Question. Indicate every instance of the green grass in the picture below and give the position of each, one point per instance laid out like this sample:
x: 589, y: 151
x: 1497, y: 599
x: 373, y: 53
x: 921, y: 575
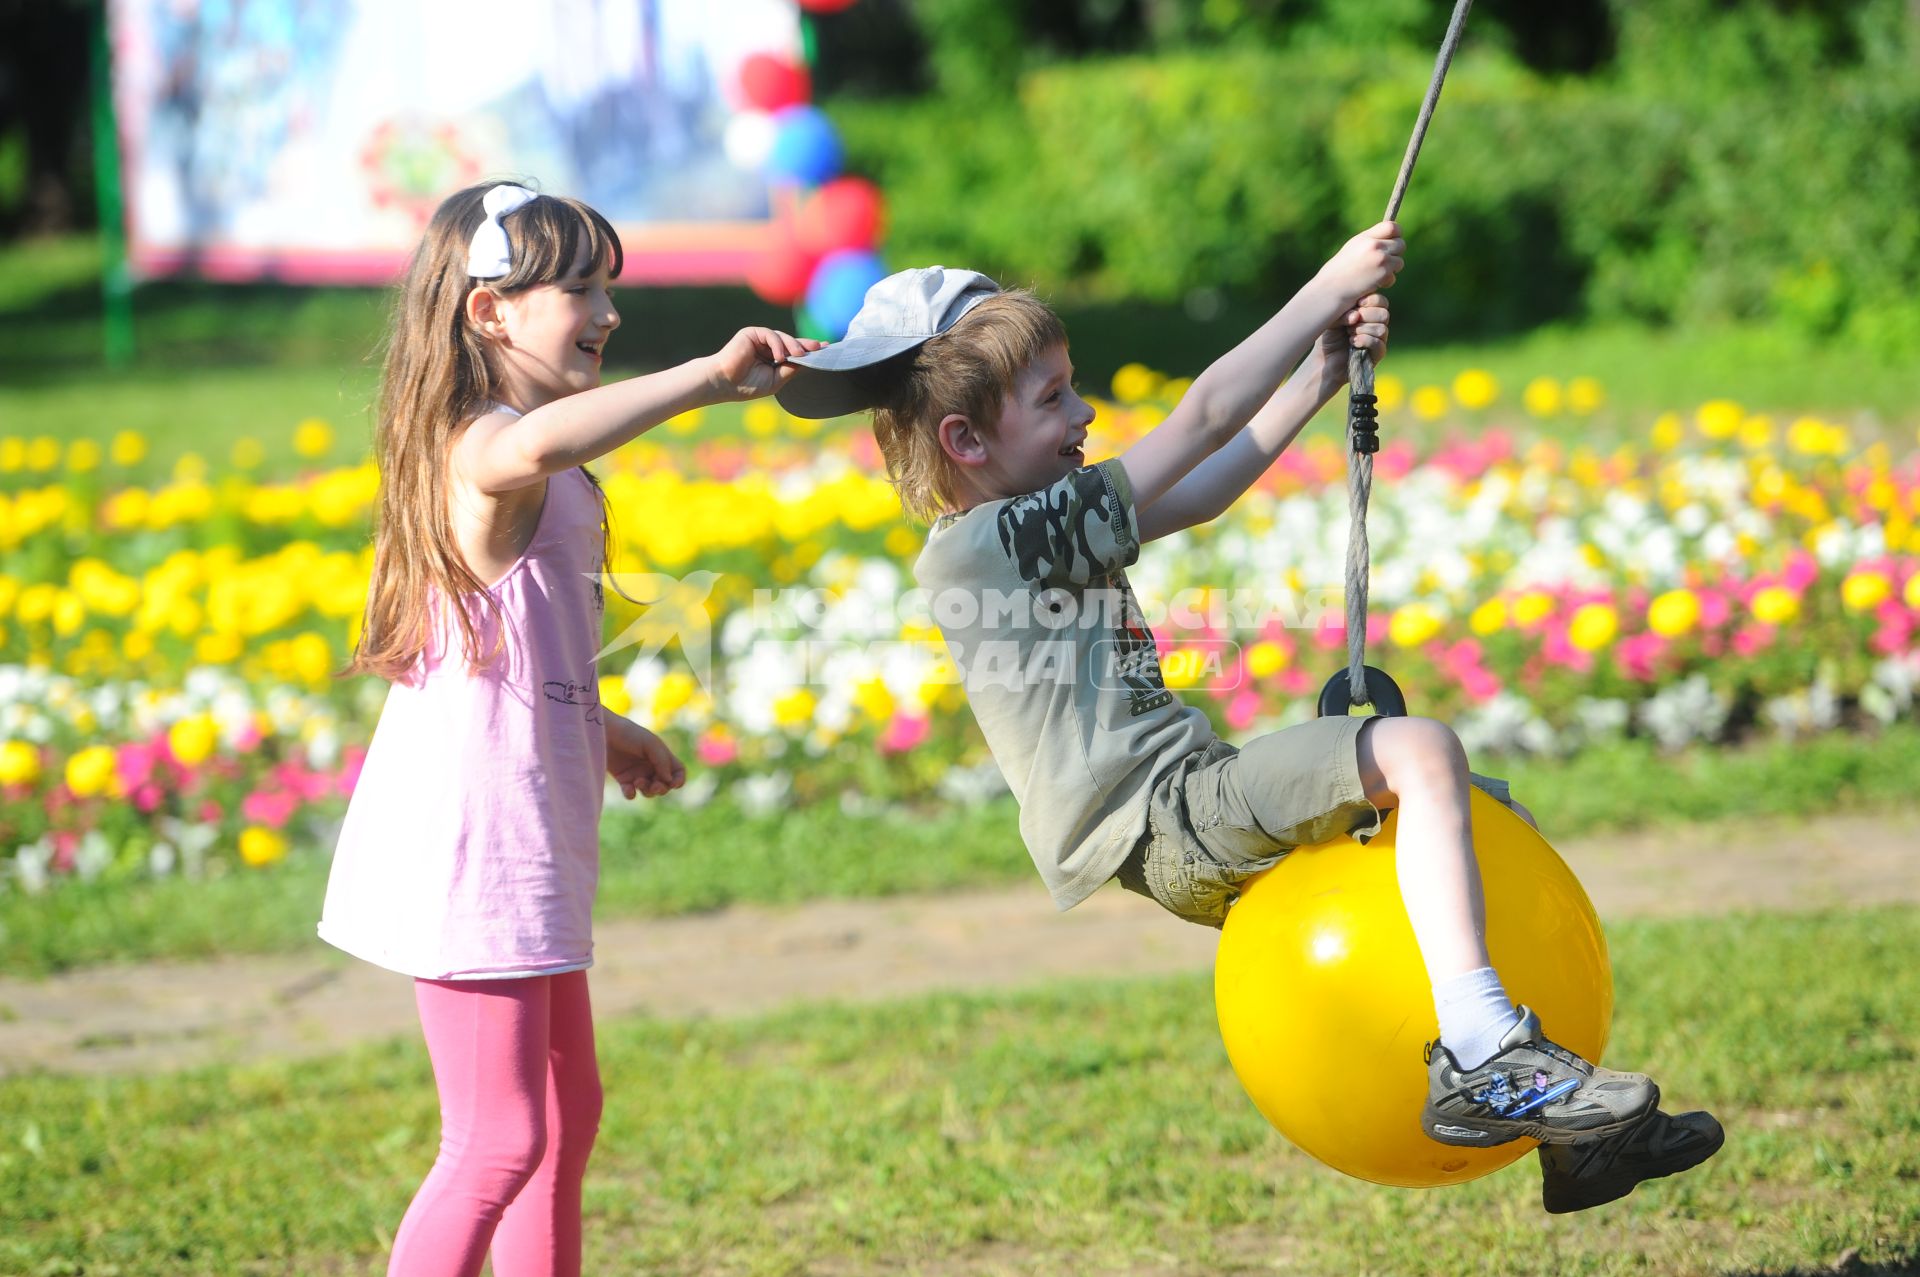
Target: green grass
x: 665, y: 860
x: 218, y: 362
x: 1085, y: 1127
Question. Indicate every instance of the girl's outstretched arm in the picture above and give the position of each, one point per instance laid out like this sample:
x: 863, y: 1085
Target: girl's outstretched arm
x: 1217, y: 482
x: 500, y: 452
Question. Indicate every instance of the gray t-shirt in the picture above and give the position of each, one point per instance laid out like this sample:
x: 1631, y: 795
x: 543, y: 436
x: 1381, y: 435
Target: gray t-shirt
x: 1060, y: 668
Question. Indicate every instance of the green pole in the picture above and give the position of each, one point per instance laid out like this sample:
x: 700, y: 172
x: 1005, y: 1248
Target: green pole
x: 809, y: 53
x: 116, y: 276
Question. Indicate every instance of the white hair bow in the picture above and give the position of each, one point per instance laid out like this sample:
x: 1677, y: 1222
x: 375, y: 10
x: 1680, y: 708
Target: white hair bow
x: 488, y: 256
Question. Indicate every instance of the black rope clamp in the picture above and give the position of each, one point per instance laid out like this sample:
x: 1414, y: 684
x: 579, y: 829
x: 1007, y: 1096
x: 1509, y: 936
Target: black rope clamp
x: 1337, y: 698
x: 1363, y: 423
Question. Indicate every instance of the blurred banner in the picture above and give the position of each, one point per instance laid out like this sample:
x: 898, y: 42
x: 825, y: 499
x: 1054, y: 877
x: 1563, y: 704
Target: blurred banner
x: 309, y: 140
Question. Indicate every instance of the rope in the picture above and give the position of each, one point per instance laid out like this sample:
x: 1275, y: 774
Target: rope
x: 1363, y: 439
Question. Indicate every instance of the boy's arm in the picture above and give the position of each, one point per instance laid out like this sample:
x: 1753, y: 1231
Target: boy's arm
x: 1227, y: 395
x: 1217, y: 482
x: 499, y: 452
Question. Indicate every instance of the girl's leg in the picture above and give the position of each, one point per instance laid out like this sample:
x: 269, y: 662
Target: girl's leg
x: 488, y: 1043
x: 540, y: 1235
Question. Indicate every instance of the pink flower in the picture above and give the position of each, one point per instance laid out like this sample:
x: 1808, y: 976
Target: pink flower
x: 135, y: 762
x: 351, y: 762
x: 716, y: 749
x: 210, y: 812
x: 1558, y: 649
x: 1802, y: 570
x: 249, y: 738
x: 1242, y: 710
x: 1639, y: 656
x: 1714, y: 608
x: 903, y: 733
x: 272, y: 808
x: 1751, y: 639
x: 148, y: 797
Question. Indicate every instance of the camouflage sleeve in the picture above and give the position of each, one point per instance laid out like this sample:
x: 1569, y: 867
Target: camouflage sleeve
x: 1079, y: 529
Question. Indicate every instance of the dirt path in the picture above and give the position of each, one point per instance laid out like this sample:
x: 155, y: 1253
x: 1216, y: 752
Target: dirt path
x: 745, y: 960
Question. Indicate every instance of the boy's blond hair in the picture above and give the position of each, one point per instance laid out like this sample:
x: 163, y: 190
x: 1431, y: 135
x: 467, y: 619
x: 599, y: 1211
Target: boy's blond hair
x: 970, y: 369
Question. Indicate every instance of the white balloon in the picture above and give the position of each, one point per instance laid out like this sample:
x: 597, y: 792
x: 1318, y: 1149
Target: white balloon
x: 749, y: 140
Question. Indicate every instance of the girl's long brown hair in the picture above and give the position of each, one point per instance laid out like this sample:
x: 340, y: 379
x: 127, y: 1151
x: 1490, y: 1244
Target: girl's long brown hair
x: 437, y: 378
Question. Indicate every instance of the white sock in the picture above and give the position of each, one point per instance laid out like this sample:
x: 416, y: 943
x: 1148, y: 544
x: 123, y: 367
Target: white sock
x: 1475, y: 1013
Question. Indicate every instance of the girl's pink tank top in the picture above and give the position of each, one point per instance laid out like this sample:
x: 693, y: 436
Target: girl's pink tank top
x: 471, y: 846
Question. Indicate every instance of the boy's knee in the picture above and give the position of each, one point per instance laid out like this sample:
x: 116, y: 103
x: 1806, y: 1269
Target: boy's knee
x: 1412, y: 751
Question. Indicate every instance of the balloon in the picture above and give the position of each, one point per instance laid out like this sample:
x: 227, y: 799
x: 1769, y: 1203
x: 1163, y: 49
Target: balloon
x: 805, y: 147
x: 845, y: 213
x: 748, y: 140
x: 839, y: 286
x: 1325, y: 1006
x: 781, y: 272
x: 770, y: 83
x: 825, y: 6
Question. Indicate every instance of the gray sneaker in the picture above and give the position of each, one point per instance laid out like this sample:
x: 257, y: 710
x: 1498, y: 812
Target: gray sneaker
x: 1578, y: 1176
x: 1531, y: 1087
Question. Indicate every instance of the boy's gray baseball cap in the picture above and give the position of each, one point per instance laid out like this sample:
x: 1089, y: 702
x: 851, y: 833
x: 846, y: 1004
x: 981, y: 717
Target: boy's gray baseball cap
x: 899, y: 313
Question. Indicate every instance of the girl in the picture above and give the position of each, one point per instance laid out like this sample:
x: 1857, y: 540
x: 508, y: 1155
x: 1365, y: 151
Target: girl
x: 469, y: 855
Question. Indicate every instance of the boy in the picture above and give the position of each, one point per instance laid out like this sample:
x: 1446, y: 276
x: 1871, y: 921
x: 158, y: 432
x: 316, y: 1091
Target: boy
x: 971, y: 390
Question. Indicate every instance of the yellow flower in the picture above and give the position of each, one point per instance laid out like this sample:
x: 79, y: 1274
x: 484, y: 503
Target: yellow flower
x: 902, y: 541
x: 614, y: 694
x: 1475, y: 388
x: 69, y: 613
x: 762, y: 419
x: 1532, y: 608
x: 1135, y: 382
x: 1389, y: 392
x: 190, y: 468
x: 1593, y: 626
x: 1429, y: 403
x: 261, y: 846
x: 1542, y: 397
x: 19, y: 763
x: 1414, y: 624
x: 794, y: 708
x: 687, y: 422
x: 247, y: 453
x: 672, y: 694
x: 1585, y: 395
x: 129, y: 448
x: 1720, y: 418
x: 90, y: 771
x: 1674, y: 613
x: 874, y: 698
x: 1266, y: 658
x: 13, y: 454
x: 1776, y: 605
x: 313, y: 438
x: 43, y: 454
x: 1489, y: 618
x: 1756, y: 433
x: 191, y: 740
x: 1668, y: 432
x: 1911, y: 595
x: 83, y: 455
x: 1865, y: 591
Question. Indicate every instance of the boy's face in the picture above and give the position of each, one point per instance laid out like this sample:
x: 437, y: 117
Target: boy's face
x: 1042, y: 432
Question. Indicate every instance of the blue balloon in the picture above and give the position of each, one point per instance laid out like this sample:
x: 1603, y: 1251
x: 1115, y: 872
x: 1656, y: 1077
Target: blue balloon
x: 805, y: 147
x: 840, y: 283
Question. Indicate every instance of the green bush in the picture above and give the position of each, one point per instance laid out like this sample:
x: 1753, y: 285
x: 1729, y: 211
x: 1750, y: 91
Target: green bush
x: 1730, y: 162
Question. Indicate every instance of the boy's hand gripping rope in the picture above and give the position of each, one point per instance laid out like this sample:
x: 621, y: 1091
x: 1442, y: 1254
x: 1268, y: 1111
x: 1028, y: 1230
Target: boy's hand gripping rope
x: 1365, y: 687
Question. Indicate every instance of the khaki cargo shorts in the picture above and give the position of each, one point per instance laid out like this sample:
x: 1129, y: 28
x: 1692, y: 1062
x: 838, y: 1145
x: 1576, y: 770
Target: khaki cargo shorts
x: 1222, y: 815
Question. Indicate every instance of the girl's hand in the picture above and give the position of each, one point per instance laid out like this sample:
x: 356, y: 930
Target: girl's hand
x: 754, y: 363
x: 1365, y: 327
x: 1368, y: 262
x: 641, y: 761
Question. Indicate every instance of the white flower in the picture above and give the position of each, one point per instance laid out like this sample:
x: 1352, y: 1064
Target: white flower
x: 759, y: 795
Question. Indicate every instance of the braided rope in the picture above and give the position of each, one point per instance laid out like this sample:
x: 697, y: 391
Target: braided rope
x: 1362, y: 437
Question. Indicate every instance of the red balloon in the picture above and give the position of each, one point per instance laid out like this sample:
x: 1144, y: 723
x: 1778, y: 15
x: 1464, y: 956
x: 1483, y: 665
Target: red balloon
x: 843, y: 213
x: 825, y: 6
x: 769, y: 83
x: 782, y: 270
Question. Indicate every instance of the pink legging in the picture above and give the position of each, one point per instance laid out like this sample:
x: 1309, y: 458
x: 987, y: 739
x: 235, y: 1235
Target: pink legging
x: 519, y: 1108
